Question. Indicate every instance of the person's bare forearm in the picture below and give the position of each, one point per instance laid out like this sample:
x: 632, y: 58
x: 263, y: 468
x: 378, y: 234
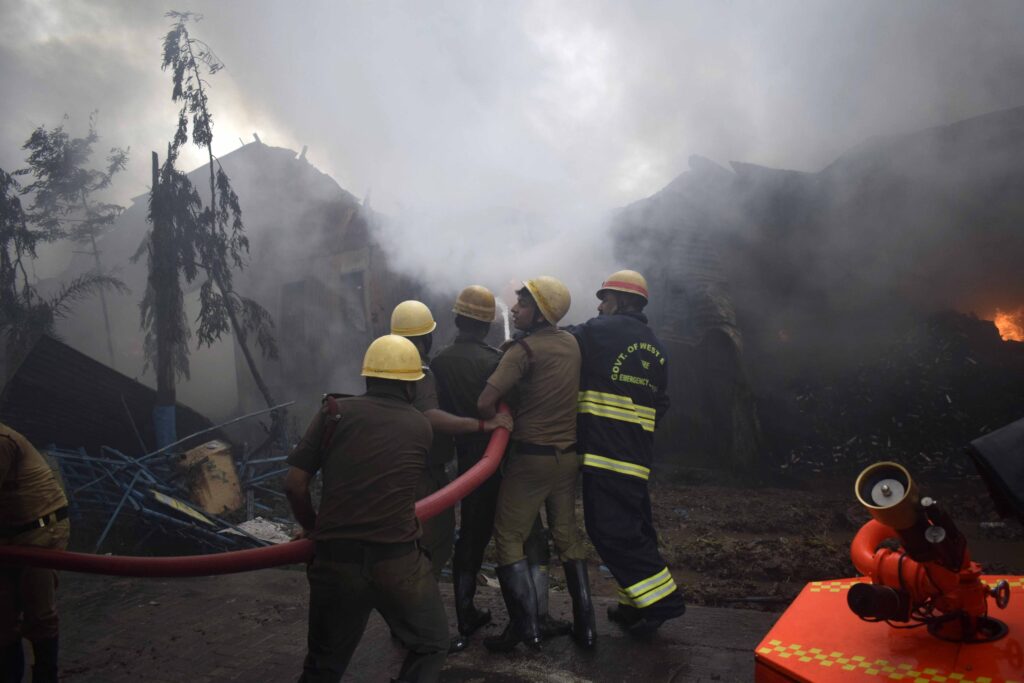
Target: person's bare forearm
x: 447, y: 423
x: 302, y: 509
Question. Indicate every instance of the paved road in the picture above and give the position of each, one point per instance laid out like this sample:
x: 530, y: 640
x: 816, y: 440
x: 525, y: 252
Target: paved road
x: 251, y: 627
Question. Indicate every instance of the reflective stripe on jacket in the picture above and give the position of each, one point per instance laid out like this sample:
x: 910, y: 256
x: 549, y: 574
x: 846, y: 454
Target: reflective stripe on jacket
x: 622, y: 394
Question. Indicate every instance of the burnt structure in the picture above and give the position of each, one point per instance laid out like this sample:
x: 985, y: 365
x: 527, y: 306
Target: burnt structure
x: 774, y: 282
x: 315, y: 264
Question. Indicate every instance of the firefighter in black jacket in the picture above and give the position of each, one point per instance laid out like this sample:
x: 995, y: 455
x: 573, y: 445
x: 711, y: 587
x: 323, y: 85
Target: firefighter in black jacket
x: 622, y: 396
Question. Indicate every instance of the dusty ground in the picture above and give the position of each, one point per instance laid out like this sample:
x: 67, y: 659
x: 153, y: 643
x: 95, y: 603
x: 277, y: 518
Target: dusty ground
x: 758, y: 546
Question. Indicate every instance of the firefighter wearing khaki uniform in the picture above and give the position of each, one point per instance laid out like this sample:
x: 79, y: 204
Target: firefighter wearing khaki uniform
x: 461, y: 371
x: 366, y: 532
x: 622, y: 397
x: 33, y: 512
x: 542, y: 465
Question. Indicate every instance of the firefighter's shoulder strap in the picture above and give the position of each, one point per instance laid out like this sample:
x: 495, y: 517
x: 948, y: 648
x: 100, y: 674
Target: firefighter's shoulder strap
x: 529, y: 356
x: 332, y: 414
x: 11, y: 481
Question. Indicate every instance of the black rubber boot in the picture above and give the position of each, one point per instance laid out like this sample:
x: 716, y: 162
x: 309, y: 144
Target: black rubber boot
x: 45, y: 668
x: 521, y: 600
x: 626, y: 615
x: 466, y: 613
x: 12, y: 663
x: 648, y: 623
x: 549, y: 626
x: 584, y: 624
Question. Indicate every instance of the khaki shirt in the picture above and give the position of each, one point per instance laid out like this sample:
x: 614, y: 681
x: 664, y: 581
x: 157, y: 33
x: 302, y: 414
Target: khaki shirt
x: 28, y: 487
x: 548, y: 385
x: 370, y: 469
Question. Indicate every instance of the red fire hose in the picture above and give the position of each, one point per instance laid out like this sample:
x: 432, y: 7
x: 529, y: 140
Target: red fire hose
x: 245, y: 560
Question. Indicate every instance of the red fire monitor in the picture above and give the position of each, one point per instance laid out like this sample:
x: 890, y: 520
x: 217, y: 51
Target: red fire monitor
x: 922, y: 612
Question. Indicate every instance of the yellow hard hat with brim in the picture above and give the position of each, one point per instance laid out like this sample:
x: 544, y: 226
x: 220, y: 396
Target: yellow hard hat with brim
x: 476, y: 302
x: 393, y: 357
x: 628, y: 281
x: 412, y: 319
x: 552, y: 297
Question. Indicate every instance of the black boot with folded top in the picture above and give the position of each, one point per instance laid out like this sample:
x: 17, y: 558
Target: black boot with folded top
x: 521, y: 600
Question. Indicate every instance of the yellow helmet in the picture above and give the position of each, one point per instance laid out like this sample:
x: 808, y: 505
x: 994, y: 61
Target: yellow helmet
x: 628, y: 281
x: 551, y: 295
x: 412, y: 319
x: 392, y: 357
x: 475, y: 302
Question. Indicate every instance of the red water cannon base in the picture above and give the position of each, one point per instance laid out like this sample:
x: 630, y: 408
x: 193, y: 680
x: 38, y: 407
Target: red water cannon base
x: 820, y: 639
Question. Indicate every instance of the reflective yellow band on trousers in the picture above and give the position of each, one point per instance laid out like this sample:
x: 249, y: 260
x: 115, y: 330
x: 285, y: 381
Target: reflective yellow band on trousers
x: 649, y: 591
x: 620, y: 466
x: 615, y: 407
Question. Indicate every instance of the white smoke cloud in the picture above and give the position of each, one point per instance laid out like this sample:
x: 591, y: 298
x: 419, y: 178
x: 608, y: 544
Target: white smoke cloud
x: 499, y: 135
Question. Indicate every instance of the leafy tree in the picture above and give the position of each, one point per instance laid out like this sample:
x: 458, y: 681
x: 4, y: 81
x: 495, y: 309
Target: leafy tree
x: 208, y: 240
x: 24, y: 313
x: 62, y: 193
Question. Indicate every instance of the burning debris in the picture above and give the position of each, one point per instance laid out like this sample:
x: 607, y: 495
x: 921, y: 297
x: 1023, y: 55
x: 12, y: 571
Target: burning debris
x: 918, y: 402
x: 1010, y: 324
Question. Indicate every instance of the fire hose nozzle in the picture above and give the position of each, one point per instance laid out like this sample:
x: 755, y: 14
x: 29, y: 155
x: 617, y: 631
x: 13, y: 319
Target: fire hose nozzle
x: 888, y: 493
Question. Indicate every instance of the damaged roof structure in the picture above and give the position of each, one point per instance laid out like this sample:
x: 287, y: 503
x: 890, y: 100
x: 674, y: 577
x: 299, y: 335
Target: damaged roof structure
x: 777, y: 285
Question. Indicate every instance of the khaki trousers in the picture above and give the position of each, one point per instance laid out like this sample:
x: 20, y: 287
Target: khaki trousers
x: 28, y: 596
x: 531, y: 482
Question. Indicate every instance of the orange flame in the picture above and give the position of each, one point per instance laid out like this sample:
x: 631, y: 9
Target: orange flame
x: 1010, y: 324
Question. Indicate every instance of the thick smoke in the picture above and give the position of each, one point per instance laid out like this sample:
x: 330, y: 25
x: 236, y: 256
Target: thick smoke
x: 497, y: 139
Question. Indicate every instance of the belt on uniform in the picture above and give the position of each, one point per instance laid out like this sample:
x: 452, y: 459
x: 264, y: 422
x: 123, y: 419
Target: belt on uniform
x: 44, y: 521
x: 348, y: 550
x: 527, y: 448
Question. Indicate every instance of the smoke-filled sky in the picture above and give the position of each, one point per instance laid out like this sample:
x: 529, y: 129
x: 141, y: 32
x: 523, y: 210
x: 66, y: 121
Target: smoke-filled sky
x: 551, y: 113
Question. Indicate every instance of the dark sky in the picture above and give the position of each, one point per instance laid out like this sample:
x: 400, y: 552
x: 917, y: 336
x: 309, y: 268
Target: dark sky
x: 551, y: 112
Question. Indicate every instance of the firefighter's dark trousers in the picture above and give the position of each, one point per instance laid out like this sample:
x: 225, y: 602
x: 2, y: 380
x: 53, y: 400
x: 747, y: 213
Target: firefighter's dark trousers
x: 617, y: 510
x: 476, y: 519
x: 346, y: 581
x: 439, y: 531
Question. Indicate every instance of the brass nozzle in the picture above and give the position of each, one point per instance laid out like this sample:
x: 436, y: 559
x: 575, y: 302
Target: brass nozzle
x: 887, y: 491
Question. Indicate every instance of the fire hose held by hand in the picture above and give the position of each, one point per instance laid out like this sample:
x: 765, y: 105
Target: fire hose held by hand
x: 246, y: 560
x: 930, y: 578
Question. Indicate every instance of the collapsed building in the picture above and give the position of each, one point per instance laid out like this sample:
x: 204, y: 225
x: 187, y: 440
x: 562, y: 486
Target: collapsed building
x: 315, y: 263
x: 780, y: 287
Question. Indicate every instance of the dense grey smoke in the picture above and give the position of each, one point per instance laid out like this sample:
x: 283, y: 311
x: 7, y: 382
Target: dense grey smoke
x: 445, y: 112
x: 497, y: 139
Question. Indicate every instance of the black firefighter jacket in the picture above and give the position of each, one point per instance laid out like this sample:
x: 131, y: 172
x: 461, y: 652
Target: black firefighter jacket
x: 622, y: 394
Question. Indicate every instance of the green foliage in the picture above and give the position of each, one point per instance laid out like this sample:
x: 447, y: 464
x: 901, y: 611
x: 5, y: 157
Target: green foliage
x: 62, y: 191
x: 60, y: 208
x: 174, y: 213
x: 199, y: 240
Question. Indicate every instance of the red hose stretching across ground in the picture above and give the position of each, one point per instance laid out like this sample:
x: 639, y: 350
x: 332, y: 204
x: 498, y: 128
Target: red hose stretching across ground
x: 245, y: 560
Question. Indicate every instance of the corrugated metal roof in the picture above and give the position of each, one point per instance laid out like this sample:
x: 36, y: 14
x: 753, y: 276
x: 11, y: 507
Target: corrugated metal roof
x: 60, y: 396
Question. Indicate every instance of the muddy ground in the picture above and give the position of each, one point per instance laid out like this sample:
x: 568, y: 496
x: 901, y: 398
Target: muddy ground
x: 757, y: 546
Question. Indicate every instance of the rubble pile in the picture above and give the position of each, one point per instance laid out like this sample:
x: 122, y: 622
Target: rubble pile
x: 919, y: 402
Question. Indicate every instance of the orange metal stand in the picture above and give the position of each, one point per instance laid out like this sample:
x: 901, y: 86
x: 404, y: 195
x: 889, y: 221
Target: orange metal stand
x: 818, y: 639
